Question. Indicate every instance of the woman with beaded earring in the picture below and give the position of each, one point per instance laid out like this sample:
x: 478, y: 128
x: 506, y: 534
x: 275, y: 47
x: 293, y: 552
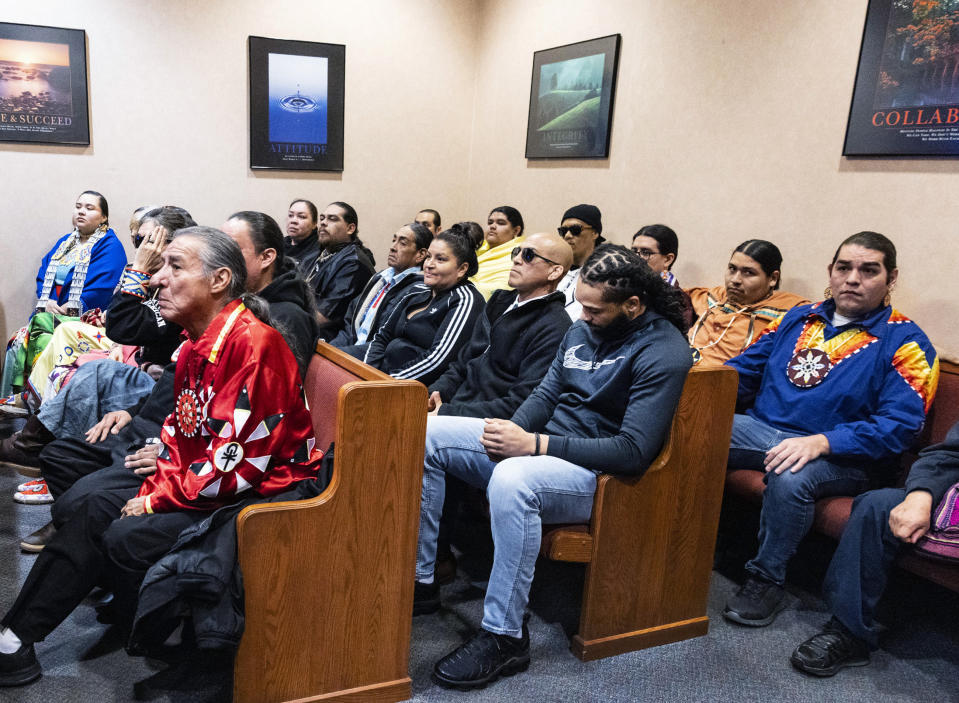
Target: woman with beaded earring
x: 76, y: 276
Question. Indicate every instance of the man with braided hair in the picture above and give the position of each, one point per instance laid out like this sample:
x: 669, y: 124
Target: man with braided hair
x: 604, y: 405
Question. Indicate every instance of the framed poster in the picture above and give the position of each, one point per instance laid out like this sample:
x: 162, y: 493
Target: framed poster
x: 43, y: 85
x: 571, y: 100
x: 296, y: 105
x: 906, y: 97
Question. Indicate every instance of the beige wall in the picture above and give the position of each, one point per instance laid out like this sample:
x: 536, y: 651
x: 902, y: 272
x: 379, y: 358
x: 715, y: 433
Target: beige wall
x: 169, y: 119
x: 728, y: 124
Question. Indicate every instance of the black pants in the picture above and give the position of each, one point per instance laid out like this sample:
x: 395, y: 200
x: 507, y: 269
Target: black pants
x: 93, y: 547
x: 111, y: 479
x: 65, y: 461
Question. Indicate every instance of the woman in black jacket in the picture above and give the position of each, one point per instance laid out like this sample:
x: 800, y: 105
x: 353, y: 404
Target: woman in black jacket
x: 427, y: 328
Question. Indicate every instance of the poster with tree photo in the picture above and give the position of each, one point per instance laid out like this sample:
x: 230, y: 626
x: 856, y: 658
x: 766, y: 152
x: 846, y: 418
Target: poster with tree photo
x: 906, y: 98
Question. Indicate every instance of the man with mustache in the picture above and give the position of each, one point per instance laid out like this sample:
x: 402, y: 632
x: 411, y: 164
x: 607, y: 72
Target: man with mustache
x: 835, y: 391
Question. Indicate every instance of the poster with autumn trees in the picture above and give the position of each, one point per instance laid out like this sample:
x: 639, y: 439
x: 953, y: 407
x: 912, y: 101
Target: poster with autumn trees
x: 906, y: 99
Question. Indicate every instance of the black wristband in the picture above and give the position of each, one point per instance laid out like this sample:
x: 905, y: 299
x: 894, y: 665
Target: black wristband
x: 536, y: 450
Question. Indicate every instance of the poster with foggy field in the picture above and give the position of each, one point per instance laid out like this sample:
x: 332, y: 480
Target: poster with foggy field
x: 571, y: 100
x: 569, y: 93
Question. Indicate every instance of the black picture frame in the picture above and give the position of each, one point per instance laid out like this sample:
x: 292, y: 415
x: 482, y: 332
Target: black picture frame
x: 43, y: 85
x: 571, y: 100
x: 296, y: 109
x: 906, y: 97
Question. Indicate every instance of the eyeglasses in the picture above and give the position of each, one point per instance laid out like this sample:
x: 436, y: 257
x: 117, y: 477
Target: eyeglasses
x: 574, y: 230
x: 527, y: 255
x: 646, y: 253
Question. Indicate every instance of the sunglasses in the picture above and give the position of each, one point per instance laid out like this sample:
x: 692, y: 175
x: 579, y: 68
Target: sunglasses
x: 527, y: 255
x: 574, y: 230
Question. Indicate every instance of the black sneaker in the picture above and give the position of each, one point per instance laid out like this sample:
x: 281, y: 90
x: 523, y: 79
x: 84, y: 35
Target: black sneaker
x: 756, y: 603
x: 482, y: 660
x: 831, y: 650
x: 426, y: 598
x: 19, y: 668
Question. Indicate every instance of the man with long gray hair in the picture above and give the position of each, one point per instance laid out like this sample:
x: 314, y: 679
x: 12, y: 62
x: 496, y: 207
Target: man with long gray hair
x: 239, y: 414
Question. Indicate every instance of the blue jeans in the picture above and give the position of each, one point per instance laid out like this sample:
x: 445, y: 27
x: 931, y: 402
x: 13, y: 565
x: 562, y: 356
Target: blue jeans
x: 98, y: 387
x: 523, y: 492
x: 860, y: 567
x: 789, y: 501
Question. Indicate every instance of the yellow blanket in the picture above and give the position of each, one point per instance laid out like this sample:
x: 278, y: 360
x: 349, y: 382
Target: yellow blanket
x: 494, y: 266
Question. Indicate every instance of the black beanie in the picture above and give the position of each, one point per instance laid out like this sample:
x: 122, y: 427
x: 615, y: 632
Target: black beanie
x: 587, y: 213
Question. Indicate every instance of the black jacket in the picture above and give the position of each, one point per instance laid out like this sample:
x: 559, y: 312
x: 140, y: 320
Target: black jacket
x: 200, y: 578
x: 304, y: 252
x: 336, y: 278
x: 292, y: 312
x: 506, y: 358
x: 937, y: 467
x: 347, y: 335
x: 137, y: 322
x: 423, y: 346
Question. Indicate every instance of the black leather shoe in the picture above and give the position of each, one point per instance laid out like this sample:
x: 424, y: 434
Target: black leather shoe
x: 831, y: 650
x: 19, y: 668
x: 26, y: 463
x: 444, y: 571
x: 756, y: 603
x: 426, y: 598
x: 482, y: 660
x: 36, y: 541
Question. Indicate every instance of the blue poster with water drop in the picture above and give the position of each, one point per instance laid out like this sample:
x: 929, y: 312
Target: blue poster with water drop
x: 296, y: 104
x: 298, y: 98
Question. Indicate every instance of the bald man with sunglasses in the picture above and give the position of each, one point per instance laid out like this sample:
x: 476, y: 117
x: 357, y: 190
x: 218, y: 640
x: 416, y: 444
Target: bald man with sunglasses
x: 512, y: 348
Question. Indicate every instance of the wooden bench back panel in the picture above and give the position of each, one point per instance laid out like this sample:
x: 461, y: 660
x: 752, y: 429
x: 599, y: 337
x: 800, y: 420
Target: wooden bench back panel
x: 323, y: 384
x: 329, y: 581
x: 653, y: 537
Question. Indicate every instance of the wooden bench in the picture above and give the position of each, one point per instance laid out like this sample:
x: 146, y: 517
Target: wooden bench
x: 649, y: 545
x: 833, y: 513
x: 328, y: 582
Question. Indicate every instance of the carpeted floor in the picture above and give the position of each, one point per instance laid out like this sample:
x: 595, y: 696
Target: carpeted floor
x: 84, y: 661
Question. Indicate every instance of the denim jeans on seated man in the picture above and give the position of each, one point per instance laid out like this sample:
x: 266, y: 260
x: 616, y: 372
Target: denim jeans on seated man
x: 789, y: 501
x: 97, y: 387
x: 524, y: 492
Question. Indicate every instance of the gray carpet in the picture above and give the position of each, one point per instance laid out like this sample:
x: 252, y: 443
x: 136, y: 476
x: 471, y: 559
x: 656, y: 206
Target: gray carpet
x: 84, y: 661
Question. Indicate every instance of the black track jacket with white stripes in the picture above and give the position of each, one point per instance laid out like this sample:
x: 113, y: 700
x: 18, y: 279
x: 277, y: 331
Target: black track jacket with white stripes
x: 421, y: 347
